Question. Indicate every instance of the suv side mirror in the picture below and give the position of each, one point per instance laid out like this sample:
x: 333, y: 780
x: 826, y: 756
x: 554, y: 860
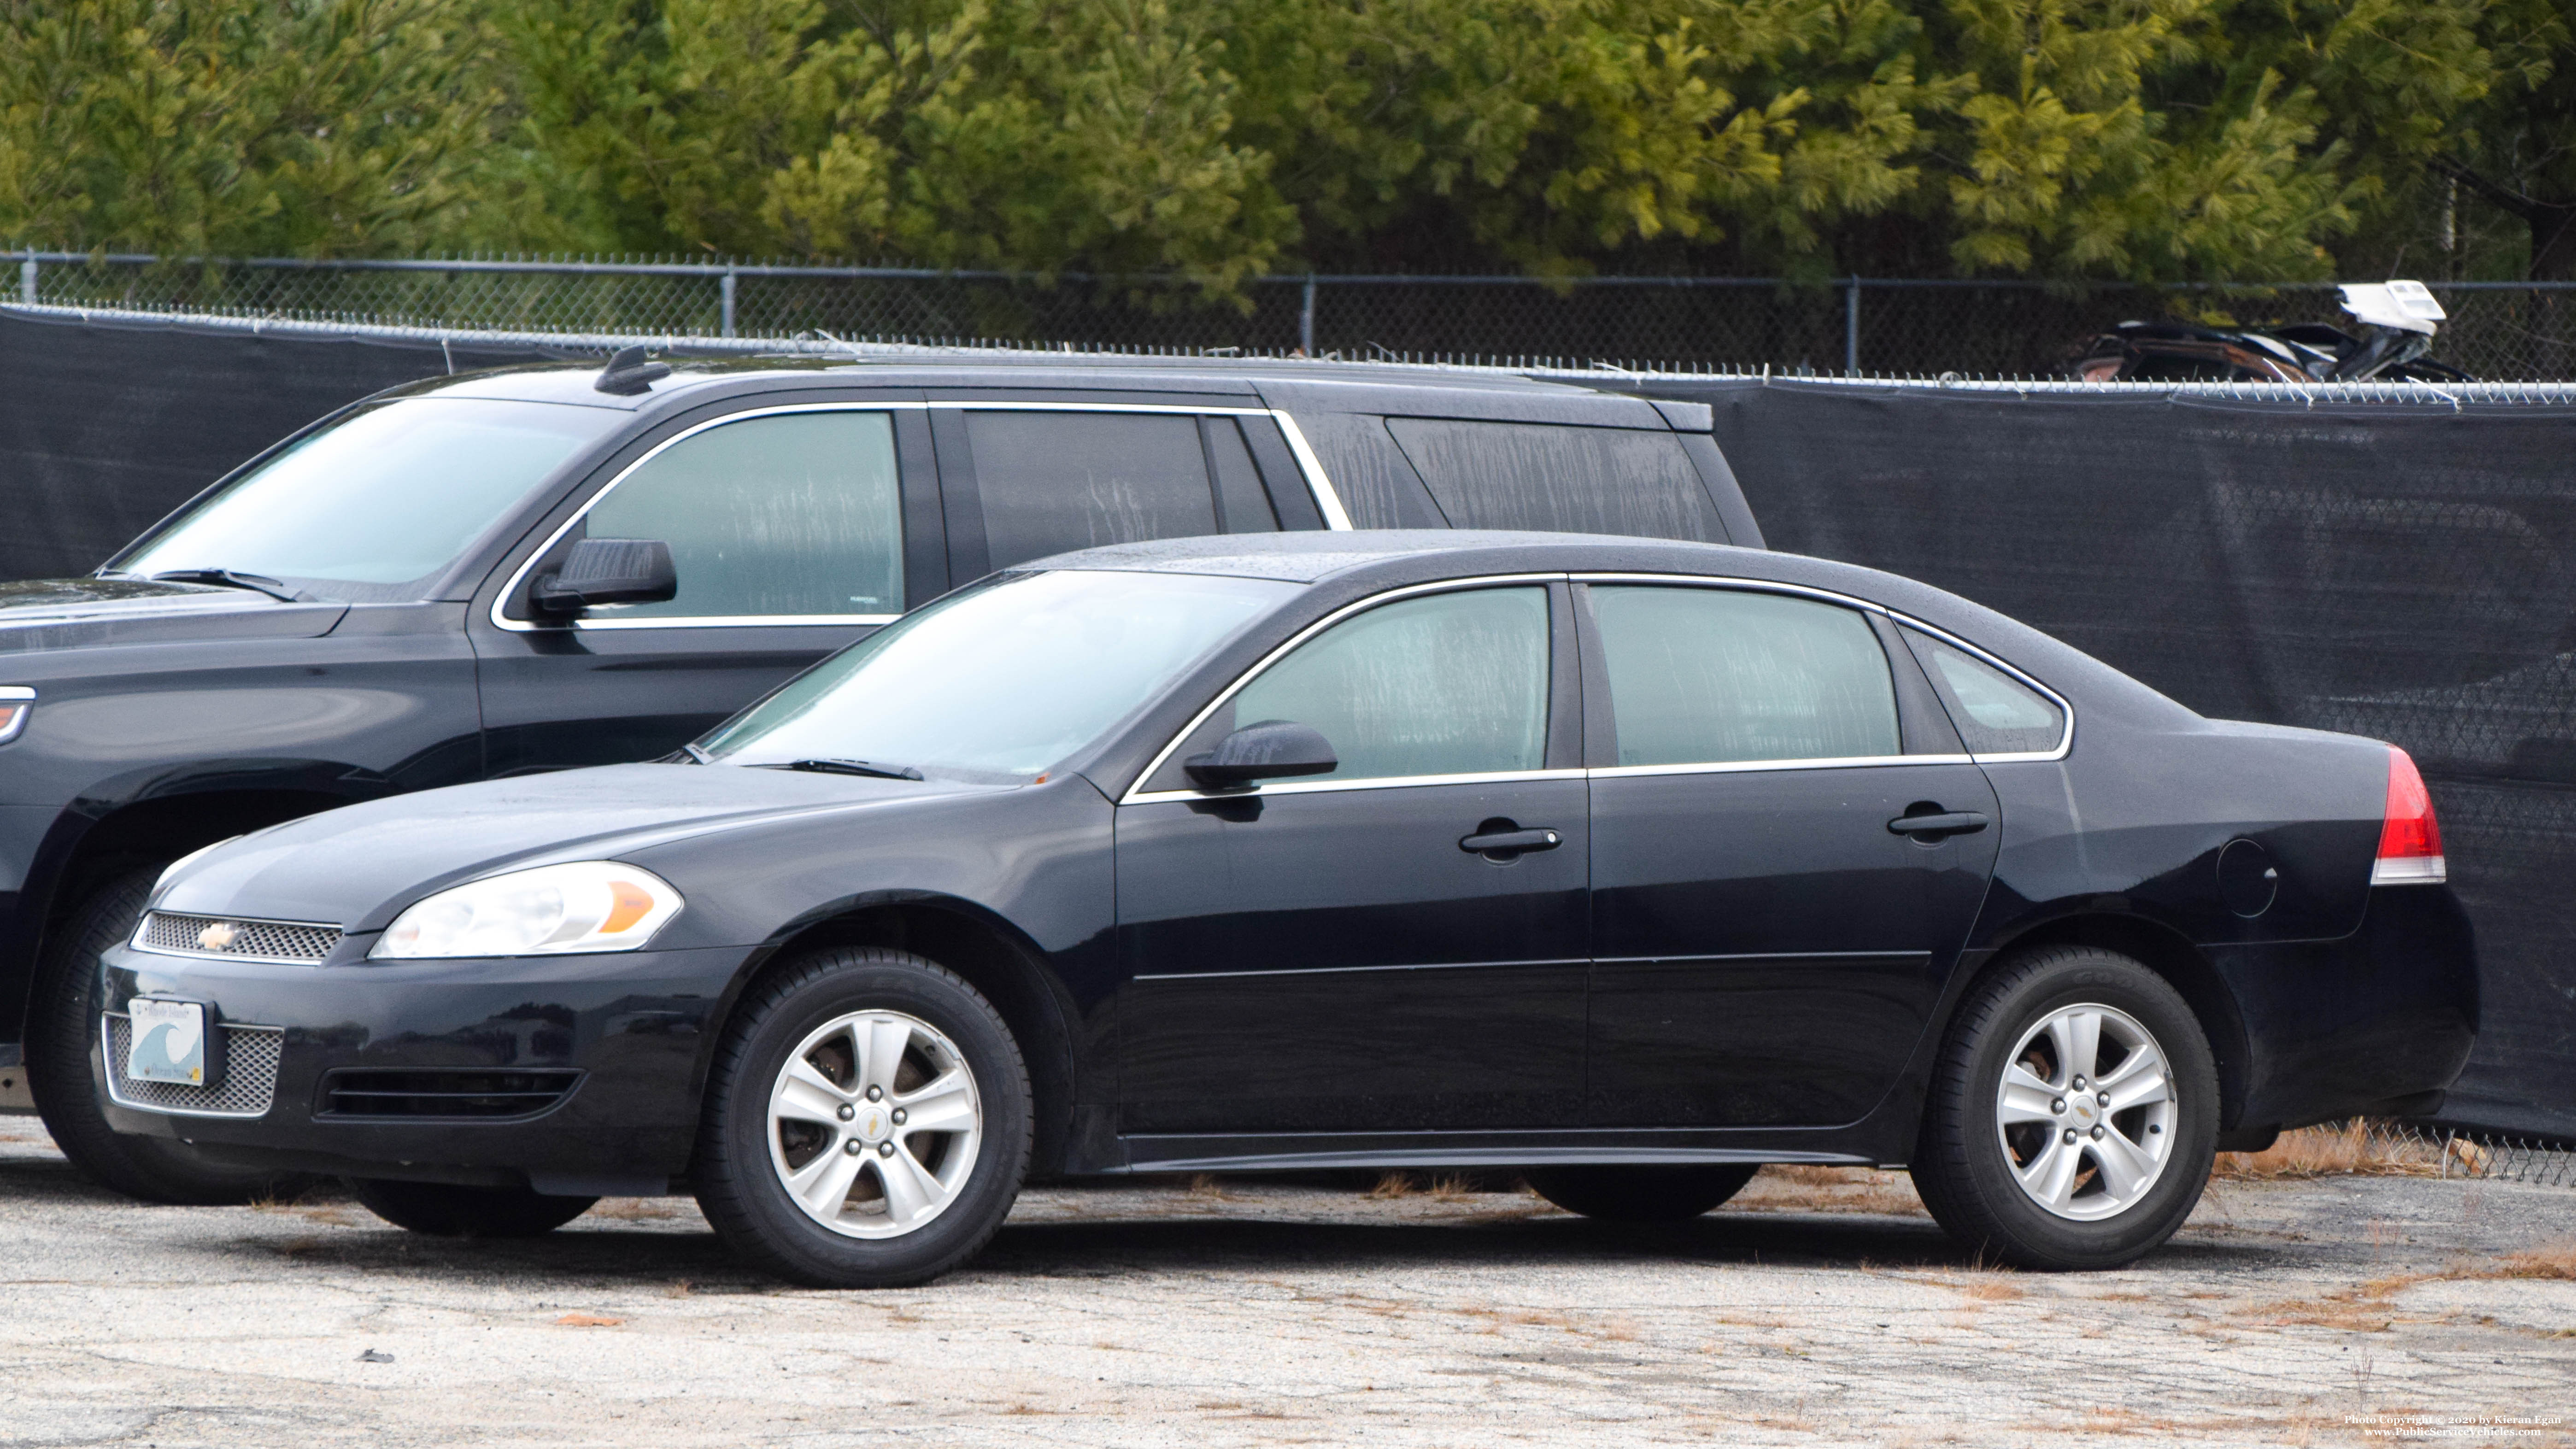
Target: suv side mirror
x: 608, y: 571
x: 1264, y: 751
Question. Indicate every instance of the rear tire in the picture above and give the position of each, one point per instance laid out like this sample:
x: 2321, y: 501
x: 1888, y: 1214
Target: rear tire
x: 867, y: 1122
x: 446, y: 1210
x: 2095, y: 1148
x: 1658, y: 1194
x: 63, y: 1031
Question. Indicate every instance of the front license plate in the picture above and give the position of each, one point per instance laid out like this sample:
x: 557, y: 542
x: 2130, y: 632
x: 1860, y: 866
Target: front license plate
x: 169, y: 1042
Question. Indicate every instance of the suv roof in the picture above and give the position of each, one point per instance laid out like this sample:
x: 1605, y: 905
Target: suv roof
x: 573, y: 382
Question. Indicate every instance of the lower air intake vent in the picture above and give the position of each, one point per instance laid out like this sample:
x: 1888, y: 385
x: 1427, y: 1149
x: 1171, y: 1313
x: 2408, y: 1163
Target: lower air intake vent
x: 435, y: 1093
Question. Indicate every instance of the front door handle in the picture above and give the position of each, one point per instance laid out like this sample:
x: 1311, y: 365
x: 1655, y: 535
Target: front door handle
x: 1510, y: 842
x: 1955, y: 822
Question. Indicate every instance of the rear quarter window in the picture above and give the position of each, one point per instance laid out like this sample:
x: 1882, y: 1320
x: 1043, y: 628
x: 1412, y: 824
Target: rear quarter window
x: 1559, y: 479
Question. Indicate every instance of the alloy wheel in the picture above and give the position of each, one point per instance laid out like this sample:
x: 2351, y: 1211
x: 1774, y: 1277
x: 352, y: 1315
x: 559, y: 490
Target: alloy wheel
x: 874, y: 1124
x: 2086, y: 1112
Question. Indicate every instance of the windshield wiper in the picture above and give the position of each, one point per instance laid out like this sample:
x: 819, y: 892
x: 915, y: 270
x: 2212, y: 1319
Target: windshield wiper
x: 697, y: 756
x: 229, y: 578
x: 851, y: 767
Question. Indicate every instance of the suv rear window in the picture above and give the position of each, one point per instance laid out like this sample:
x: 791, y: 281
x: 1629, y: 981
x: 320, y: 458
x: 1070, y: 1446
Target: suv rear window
x: 1560, y: 479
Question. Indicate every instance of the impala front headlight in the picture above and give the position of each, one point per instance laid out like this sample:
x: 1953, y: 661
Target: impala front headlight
x: 552, y: 910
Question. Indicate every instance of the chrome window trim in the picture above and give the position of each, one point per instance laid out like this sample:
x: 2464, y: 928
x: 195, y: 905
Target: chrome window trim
x: 731, y: 621
x: 2066, y: 707
x: 2065, y: 743
x: 1335, y: 787
x: 1327, y: 502
x: 1328, y: 499
x: 144, y: 922
x: 1135, y: 794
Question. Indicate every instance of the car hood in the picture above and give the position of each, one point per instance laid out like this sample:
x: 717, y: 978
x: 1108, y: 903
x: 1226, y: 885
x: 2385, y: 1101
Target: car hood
x: 80, y: 613
x: 357, y: 867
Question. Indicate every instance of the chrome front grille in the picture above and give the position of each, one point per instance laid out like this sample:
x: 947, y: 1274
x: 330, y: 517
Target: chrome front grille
x: 230, y: 937
x: 247, y: 1086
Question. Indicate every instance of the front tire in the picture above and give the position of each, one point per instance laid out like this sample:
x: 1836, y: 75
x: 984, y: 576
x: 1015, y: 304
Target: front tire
x: 867, y: 1122
x: 2073, y: 1114
x: 1654, y: 1194
x: 62, y: 1031
x: 446, y: 1210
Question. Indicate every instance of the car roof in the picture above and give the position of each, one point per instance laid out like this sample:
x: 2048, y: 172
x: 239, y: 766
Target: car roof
x: 1305, y: 558
x: 1345, y: 566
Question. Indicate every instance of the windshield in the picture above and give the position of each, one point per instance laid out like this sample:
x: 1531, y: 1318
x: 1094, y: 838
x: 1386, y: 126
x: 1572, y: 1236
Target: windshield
x: 1002, y: 680
x: 377, y: 505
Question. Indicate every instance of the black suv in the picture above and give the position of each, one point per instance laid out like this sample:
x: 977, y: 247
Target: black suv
x: 544, y: 567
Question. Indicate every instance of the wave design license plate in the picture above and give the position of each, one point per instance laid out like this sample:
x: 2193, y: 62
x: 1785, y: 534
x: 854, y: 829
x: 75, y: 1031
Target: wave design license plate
x: 169, y: 1043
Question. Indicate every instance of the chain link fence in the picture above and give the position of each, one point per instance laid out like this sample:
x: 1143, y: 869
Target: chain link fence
x: 2377, y: 1147
x: 1853, y: 327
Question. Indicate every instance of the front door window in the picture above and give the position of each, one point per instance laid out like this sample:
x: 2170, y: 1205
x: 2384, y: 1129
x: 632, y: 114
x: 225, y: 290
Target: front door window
x: 791, y: 516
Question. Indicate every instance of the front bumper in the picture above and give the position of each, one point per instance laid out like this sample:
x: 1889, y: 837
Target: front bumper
x: 624, y: 1031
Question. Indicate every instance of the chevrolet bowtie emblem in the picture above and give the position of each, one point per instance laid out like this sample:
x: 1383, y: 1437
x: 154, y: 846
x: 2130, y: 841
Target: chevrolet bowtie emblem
x: 217, y: 936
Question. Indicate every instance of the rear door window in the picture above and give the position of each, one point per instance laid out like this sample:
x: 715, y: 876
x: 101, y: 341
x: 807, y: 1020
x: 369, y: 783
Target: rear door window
x: 1560, y: 479
x: 1726, y: 676
x: 1048, y: 482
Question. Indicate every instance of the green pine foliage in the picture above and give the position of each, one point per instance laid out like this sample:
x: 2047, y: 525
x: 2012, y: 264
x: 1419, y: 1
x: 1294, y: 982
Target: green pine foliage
x: 1216, y: 140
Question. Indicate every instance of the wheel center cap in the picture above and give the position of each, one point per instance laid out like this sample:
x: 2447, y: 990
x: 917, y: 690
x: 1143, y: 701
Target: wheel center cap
x: 872, y: 1124
x: 2082, y: 1109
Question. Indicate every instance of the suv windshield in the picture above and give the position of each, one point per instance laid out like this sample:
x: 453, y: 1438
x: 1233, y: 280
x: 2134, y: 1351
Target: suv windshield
x: 1002, y: 680
x: 379, y: 504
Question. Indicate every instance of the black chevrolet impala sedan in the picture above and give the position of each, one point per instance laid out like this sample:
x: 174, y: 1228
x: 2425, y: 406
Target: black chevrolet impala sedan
x: 1630, y: 865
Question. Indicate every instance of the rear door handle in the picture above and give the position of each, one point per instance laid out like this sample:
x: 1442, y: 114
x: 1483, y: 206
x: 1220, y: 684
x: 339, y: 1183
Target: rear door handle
x: 1956, y: 822
x: 1516, y: 841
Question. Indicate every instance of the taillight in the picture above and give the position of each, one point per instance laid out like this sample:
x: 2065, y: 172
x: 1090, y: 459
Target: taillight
x: 2410, y: 839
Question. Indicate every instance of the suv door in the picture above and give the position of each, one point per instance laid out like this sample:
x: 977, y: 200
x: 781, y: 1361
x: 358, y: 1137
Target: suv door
x: 1768, y: 934
x: 1325, y: 954
x: 794, y: 531
x: 1022, y: 480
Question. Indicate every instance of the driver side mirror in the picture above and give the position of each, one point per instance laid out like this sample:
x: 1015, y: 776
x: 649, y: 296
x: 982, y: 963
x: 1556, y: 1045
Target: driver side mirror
x: 608, y: 571
x: 1266, y: 751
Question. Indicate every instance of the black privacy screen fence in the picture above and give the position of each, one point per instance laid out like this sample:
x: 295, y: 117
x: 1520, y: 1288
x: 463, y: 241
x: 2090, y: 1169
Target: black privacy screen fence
x: 105, y: 428
x: 2402, y: 571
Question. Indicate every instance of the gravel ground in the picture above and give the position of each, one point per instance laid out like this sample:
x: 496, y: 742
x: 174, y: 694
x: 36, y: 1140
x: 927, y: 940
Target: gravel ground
x: 1822, y: 1308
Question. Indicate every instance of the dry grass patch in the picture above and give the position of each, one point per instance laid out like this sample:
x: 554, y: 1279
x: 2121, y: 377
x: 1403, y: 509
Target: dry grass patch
x: 1989, y: 1288
x: 2551, y: 1260
x: 641, y: 1209
x: 1207, y: 1187
x: 2361, y: 1309
x: 1801, y: 1188
x: 2352, y: 1150
x: 313, y: 1210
